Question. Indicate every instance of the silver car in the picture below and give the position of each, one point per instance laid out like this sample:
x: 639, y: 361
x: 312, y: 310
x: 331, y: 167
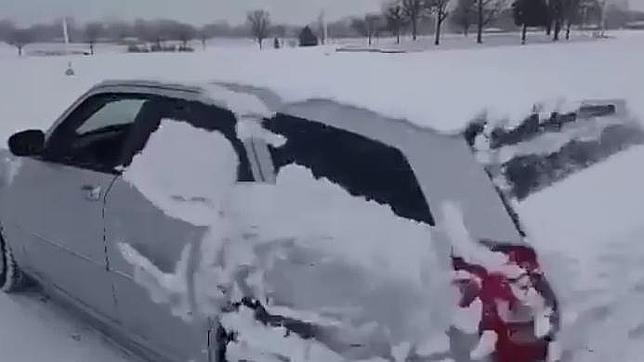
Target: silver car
x: 74, y: 223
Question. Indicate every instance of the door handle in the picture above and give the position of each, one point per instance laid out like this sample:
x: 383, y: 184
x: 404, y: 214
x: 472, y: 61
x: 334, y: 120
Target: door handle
x: 92, y: 193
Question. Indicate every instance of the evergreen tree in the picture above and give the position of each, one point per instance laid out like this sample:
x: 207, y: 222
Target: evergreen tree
x: 307, y: 38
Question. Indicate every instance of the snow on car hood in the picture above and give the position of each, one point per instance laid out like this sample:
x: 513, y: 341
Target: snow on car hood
x: 369, y: 283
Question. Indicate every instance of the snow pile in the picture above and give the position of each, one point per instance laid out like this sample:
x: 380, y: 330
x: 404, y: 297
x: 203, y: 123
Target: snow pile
x: 62, y: 336
x: 588, y: 230
x: 366, y: 280
x: 547, y: 148
x: 180, y: 175
x: 242, y: 104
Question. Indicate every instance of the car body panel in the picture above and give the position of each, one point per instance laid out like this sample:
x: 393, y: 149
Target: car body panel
x: 131, y: 218
x: 47, y: 201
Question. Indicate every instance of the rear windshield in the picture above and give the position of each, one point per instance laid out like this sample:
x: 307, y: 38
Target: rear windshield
x: 362, y: 166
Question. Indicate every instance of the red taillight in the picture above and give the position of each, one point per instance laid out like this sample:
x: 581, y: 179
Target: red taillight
x: 505, y: 310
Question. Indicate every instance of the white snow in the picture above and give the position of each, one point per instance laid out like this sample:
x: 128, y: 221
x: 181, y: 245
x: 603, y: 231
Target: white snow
x: 486, y: 345
x: 439, y: 89
x: 588, y: 229
x: 462, y: 243
x: 250, y: 127
x: 33, y: 328
x: 242, y: 104
x: 182, y: 177
x: 551, y: 142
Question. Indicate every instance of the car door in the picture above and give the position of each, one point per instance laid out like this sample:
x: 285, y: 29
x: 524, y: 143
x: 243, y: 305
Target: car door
x: 340, y: 219
x: 58, y: 198
x: 151, y: 249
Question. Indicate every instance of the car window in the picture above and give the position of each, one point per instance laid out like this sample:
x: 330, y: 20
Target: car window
x: 197, y: 114
x: 119, y: 112
x: 362, y: 166
x: 94, y: 134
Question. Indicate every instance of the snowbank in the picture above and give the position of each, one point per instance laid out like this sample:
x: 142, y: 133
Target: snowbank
x: 589, y: 231
x: 35, y: 329
x: 439, y: 89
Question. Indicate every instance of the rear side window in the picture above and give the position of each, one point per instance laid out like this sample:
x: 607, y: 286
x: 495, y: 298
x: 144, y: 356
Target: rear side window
x: 362, y: 166
x: 197, y: 114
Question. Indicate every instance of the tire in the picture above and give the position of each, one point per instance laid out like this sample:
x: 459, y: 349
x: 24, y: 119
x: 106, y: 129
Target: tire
x: 12, y: 279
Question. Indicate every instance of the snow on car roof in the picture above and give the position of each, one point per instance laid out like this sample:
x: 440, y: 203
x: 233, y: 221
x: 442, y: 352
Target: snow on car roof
x: 241, y: 102
x: 441, y: 90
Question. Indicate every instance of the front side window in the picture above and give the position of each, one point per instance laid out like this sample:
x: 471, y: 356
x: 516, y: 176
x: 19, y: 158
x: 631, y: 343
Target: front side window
x: 94, y: 134
x: 113, y: 114
x: 362, y: 166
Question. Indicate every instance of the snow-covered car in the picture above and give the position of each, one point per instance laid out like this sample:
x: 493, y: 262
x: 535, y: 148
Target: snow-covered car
x: 216, y: 223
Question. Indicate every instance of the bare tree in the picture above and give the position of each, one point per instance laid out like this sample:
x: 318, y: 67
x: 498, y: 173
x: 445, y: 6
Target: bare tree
x: 203, y: 37
x: 557, y: 16
x: 395, y: 19
x: 6, y: 28
x: 463, y: 16
x: 279, y: 31
x: 19, y: 38
x: 367, y: 26
x: 415, y: 10
x: 185, y: 33
x: 92, y: 32
x: 571, y: 14
x: 260, y: 23
x: 322, y: 27
x: 118, y: 30
x: 439, y: 8
x: 149, y: 32
x: 487, y: 11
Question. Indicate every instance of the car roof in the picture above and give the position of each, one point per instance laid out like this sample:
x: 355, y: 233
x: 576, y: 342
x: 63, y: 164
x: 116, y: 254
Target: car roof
x: 244, y: 104
x: 246, y: 97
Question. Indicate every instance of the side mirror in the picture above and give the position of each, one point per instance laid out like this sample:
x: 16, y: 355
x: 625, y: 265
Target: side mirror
x: 27, y: 143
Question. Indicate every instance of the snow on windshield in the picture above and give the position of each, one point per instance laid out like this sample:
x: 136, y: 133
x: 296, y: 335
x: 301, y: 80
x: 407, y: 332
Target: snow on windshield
x: 360, y: 281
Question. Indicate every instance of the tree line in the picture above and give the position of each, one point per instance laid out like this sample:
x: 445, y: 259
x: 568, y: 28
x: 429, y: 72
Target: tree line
x: 554, y: 16
x: 155, y: 32
x: 397, y: 18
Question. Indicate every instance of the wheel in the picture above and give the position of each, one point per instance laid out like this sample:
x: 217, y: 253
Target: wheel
x: 12, y: 278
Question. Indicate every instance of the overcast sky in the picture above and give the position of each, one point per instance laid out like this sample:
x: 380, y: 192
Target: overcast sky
x: 194, y: 11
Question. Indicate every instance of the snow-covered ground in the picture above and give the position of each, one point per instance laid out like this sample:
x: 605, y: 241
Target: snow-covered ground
x: 454, y: 41
x: 34, y: 328
x: 588, y: 228
x: 589, y: 231
x: 441, y: 89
